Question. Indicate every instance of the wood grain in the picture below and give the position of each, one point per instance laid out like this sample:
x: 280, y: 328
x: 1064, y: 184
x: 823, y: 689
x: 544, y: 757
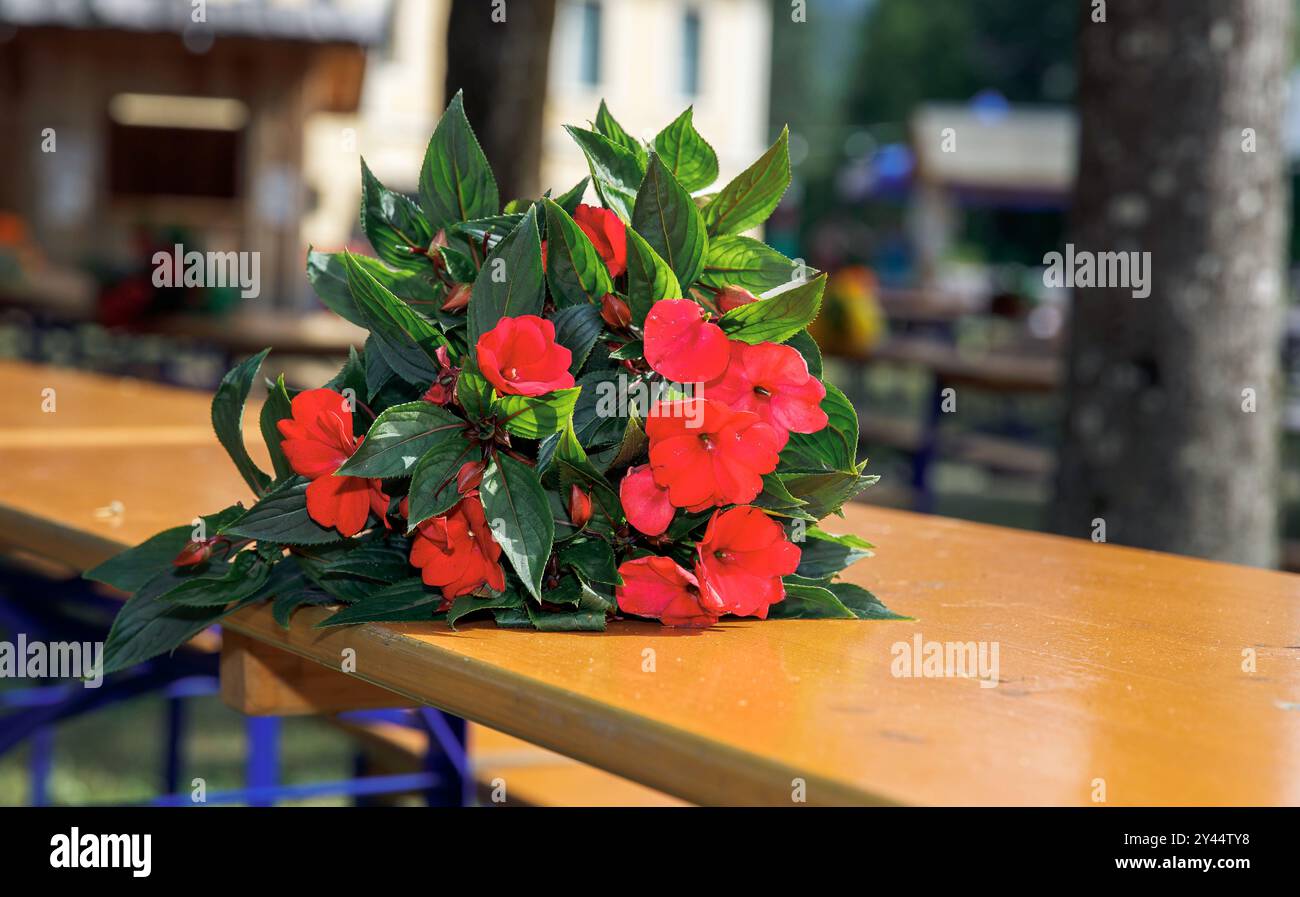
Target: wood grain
x: 1115, y: 664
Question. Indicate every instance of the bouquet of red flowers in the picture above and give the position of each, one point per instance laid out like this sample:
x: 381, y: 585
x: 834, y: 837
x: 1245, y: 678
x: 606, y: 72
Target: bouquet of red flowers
x: 563, y: 412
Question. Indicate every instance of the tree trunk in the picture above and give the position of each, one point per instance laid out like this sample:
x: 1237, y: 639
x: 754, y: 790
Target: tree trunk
x: 502, y: 67
x: 1160, y: 440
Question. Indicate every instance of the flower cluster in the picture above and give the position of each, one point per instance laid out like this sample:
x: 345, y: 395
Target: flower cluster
x: 465, y: 461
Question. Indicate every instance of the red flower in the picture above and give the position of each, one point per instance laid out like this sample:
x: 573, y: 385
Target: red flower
x: 317, y: 440
x: 607, y: 233
x: 456, y: 552
x: 645, y: 502
x: 773, y: 382
x: 520, y: 357
x: 741, y: 559
x: 730, y: 297
x: 443, y: 390
x: 658, y: 587
x: 681, y: 344
x: 706, y: 454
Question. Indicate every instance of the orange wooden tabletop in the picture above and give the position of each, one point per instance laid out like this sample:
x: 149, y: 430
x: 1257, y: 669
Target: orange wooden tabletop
x: 1122, y: 673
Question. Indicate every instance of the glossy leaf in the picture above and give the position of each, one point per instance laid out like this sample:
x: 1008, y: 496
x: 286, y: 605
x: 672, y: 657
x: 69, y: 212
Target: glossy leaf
x: 686, y: 154
x: 615, y: 170
x: 394, y: 224
x: 667, y: 218
x: 777, y: 318
x: 510, y: 283
x: 433, y: 480
x: 228, y: 419
x: 398, y: 437
x: 747, y: 263
x: 456, y: 182
x: 281, y: 517
x: 276, y: 408
x: 574, y: 269
x: 515, y: 505
x: 753, y: 195
x: 649, y: 278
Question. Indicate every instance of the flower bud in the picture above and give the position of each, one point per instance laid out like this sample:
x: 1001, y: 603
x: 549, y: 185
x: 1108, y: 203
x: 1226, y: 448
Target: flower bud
x: 469, y: 476
x: 193, y: 553
x: 615, y: 312
x: 730, y: 297
x: 457, y: 297
x: 579, y: 506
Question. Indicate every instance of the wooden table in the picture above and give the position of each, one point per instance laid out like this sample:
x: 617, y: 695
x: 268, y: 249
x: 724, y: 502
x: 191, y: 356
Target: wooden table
x: 1119, y: 668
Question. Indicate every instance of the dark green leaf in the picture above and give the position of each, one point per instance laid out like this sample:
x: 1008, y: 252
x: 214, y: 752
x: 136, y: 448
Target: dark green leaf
x: 228, y: 418
x: 378, y: 372
x: 129, y: 570
x: 475, y: 394
x: 778, y: 317
x: 808, y: 348
x: 593, y: 558
x: 516, y: 508
x: 433, y: 480
x: 747, y: 263
x: 407, y: 340
x: 394, y: 224
x: 465, y: 605
x: 570, y: 200
x: 615, y: 170
x: 511, y: 282
x: 809, y: 602
x: 456, y: 182
x: 281, y: 517
x: 607, y: 125
x: 536, y: 417
x: 754, y: 193
x: 834, y: 447
x: 579, y: 620
x: 577, y: 328
x: 865, y: 606
x: 667, y: 218
x: 686, y: 154
x: 574, y: 269
x: 398, y: 437
x: 825, y: 492
x: 649, y: 278
x: 235, y: 581
x: 824, y: 554
x: 276, y: 408
x: 407, y: 601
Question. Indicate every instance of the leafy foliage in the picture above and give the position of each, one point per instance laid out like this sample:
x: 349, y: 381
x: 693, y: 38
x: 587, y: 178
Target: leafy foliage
x: 429, y: 431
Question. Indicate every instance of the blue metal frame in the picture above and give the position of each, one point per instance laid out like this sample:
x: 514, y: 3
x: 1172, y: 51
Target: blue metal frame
x: 30, y: 715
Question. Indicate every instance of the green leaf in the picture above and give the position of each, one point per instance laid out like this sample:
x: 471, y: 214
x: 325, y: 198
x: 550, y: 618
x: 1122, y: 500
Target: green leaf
x: 398, y: 437
x: 865, y: 606
x: 407, y: 340
x: 456, y: 182
x: 777, y: 318
x: 686, y: 154
x: 809, y: 602
x: 825, y: 492
x: 129, y: 570
x: 290, y: 589
x: 667, y: 218
x: 378, y: 373
x: 396, y: 228
x: 510, y: 283
x: 276, y: 408
x: 433, y: 480
x: 567, y: 620
x: 835, y: 446
x: 615, y: 170
x: 754, y: 193
x: 808, y: 348
x: 475, y: 394
x: 379, y: 560
x: 593, y: 558
x: 240, y: 579
x: 649, y: 278
x: 536, y: 417
x: 464, y: 605
x: 228, y: 418
x: 516, y: 507
x: 607, y: 125
x: 570, y: 200
x: 824, y: 554
x: 775, y: 496
x: 281, y: 517
x: 747, y: 263
x: 577, y: 328
x: 147, y: 626
x: 634, y: 349
x: 329, y: 277
x: 574, y: 269
x: 406, y: 601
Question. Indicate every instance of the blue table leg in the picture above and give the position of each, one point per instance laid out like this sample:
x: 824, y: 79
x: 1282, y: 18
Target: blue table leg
x: 263, y: 763
x: 40, y: 763
x: 175, y: 733
x: 447, y: 759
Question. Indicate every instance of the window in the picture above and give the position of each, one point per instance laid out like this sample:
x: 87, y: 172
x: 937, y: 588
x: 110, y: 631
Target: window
x: 160, y: 145
x: 691, y: 53
x: 589, y: 43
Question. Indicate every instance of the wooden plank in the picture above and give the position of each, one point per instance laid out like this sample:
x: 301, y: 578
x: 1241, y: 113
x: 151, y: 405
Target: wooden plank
x: 1116, y: 665
x: 259, y: 680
